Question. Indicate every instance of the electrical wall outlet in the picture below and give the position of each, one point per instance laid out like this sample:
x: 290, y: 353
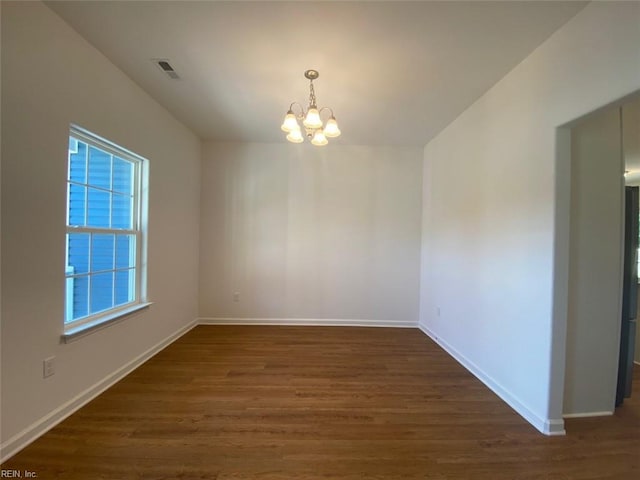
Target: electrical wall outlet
x: 236, y: 296
x: 48, y: 367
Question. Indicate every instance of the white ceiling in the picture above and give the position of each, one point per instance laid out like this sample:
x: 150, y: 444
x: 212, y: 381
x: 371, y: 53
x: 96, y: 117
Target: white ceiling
x: 395, y: 73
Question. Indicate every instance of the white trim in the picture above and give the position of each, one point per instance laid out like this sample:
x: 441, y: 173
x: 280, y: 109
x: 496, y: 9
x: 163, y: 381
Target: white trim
x: 113, y: 148
x: 554, y: 427
x: 319, y: 322
x: 548, y: 426
x: 114, y: 316
x: 586, y: 414
x: 138, y: 230
x: 47, y: 422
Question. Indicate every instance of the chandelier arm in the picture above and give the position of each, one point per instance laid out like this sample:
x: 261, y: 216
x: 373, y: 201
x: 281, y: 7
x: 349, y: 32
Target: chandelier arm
x: 327, y: 108
x: 298, y: 115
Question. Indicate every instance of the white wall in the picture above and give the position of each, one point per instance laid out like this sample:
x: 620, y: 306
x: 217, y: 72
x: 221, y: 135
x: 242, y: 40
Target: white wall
x: 51, y: 77
x: 491, y: 245
x: 319, y: 235
x: 595, y: 264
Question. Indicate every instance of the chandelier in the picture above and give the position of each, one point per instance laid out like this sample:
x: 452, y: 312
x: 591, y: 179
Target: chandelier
x: 315, y: 130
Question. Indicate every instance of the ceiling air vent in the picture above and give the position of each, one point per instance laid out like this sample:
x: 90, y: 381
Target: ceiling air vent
x: 164, y: 65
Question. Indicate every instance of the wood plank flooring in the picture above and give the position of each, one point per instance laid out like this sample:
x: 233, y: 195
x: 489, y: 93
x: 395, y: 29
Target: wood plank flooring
x: 296, y: 403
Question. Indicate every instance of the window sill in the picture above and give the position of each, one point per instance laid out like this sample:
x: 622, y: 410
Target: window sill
x: 80, y: 331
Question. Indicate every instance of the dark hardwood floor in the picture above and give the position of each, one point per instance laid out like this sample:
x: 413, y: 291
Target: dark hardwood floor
x: 295, y: 403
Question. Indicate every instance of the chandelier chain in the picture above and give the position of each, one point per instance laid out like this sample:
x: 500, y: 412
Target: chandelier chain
x: 312, y: 94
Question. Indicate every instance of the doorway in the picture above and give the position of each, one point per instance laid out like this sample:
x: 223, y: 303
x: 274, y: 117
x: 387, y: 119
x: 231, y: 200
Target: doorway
x: 631, y: 150
x: 603, y: 144
x: 629, y: 296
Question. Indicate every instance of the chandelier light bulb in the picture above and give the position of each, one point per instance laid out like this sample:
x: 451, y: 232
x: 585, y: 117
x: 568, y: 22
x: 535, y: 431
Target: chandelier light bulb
x: 295, y: 136
x: 290, y: 123
x: 312, y: 120
x: 319, y: 139
x: 331, y: 129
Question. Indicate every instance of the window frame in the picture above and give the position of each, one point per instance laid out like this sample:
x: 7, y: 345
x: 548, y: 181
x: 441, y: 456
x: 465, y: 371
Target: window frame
x: 81, y: 326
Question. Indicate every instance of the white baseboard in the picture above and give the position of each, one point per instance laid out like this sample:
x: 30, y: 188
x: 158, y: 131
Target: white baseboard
x: 46, y: 423
x: 586, y: 414
x: 546, y: 426
x: 319, y: 322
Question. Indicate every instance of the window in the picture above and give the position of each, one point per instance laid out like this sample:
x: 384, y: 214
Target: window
x: 105, y: 239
